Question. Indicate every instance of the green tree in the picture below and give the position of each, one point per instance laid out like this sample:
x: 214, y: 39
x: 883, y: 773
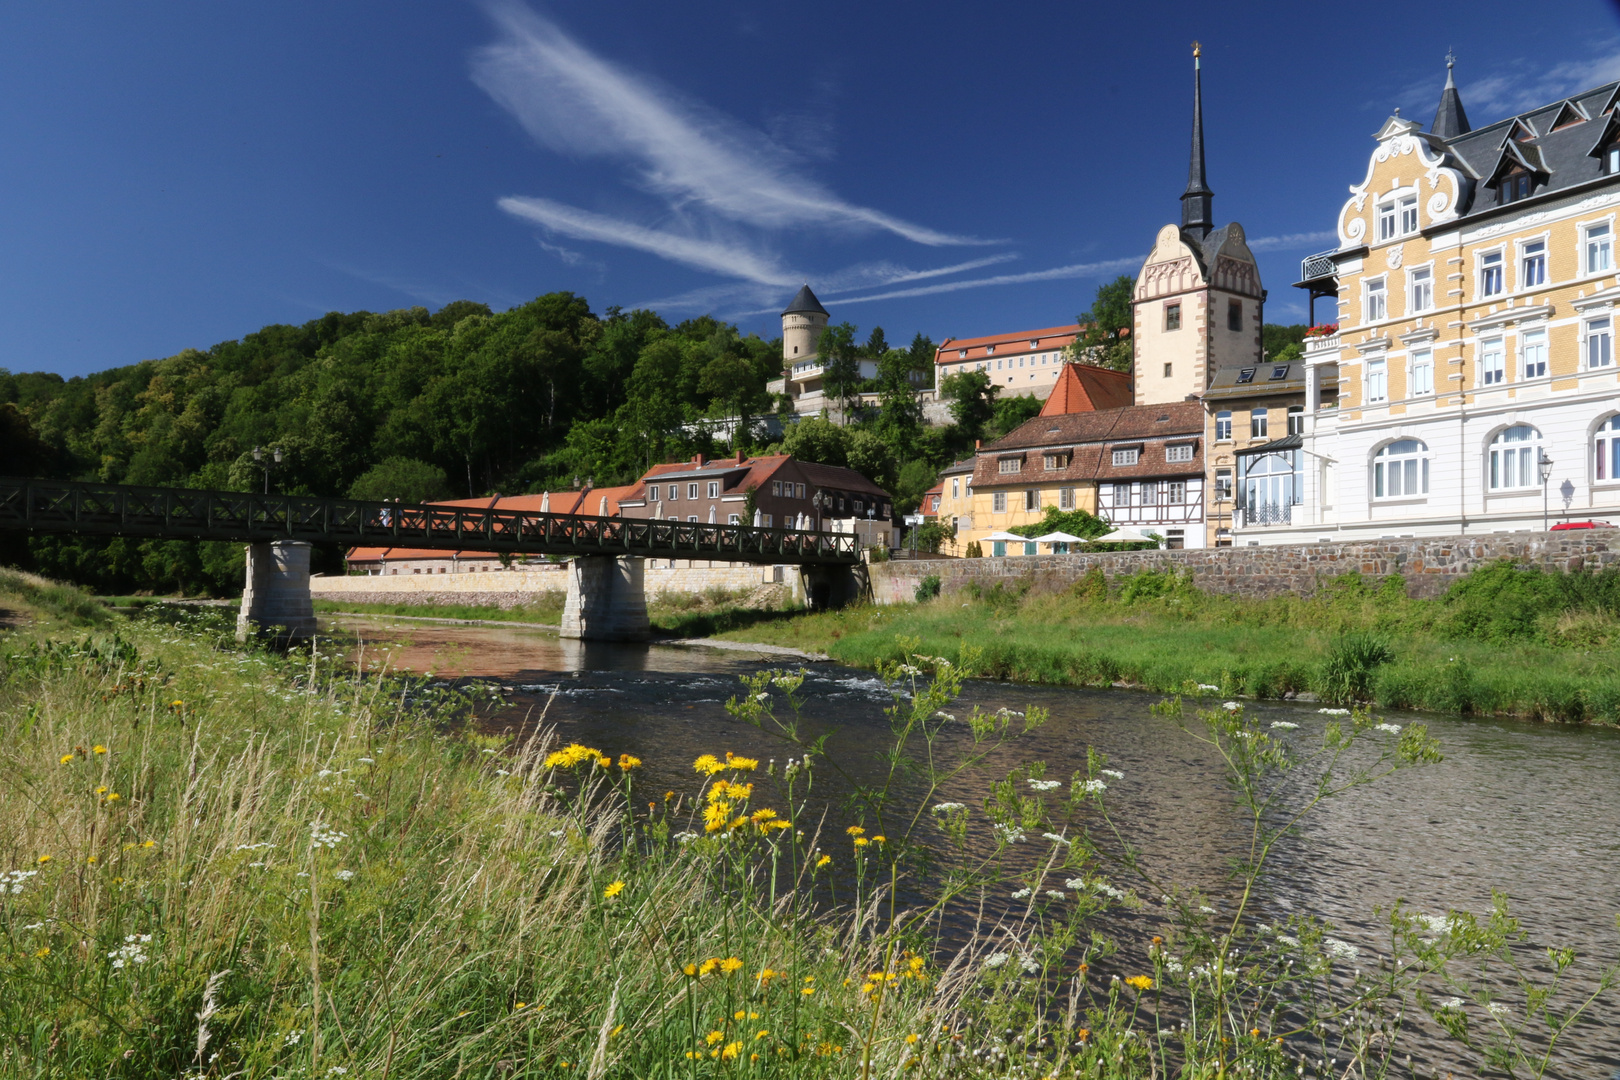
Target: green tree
x: 1105, y: 330
x: 1010, y: 412
x: 1283, y: 343
x: 973, y: 400
x: 401, y: 478
x: 840, y: 365
x: 817, y: 439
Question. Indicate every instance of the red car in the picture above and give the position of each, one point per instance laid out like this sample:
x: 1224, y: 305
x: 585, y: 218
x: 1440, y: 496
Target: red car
x: 1581, y: 525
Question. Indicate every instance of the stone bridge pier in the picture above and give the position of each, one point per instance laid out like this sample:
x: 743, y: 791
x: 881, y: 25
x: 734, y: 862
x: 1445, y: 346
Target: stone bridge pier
x: 275, y: 598
x: 607, y: 599
x: 823, y: 587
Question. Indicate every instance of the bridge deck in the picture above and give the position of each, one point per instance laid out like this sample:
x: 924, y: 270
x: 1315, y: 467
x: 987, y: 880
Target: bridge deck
x: 57, y: 506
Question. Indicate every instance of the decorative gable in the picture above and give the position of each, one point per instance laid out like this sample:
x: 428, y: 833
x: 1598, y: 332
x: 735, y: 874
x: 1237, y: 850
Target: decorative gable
x: 1569, y: 114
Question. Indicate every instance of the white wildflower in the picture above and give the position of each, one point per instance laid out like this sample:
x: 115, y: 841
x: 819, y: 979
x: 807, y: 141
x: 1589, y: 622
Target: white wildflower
x: 345, y: 875
x: 943, y: 715
x: 995, y: 960
x: 35, y: 926
x: 366, y: 761
x: 321, y: 836
x: 1010, y: 834
x: 1056, y: 839
x: 1334, y: 712
x: 1091, y: 787
x: 556, y: 833
x: 498, y: 772
x: 1392, y: 729
x: 909, y: 669
x: 1076, y: 883
x: 1207, y: 910
x: 1115, y: 773
x: 1045, y: 785
x: 1021, y: 894
x: 1439, y: 924
x: 1340, y: 950
x: 948, y: 807
x: 685, y: 837
x: 1172, y: 965
x: 260, y: 846
x: 1209, y: 686
x: 1450, y: 1003
x: 132, y: 951
x: 1029, y: 965
x: 293, y: 1037
x: 1055, y: 894
x: 1109, y: 890
x: 1291, y: 942
x: 13, y: 880
x: 1283, y: 725
x: 1499, y: 1009
x: 1231, y: 706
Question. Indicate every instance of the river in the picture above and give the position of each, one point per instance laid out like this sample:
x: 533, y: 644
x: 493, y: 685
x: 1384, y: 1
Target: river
x: 1530, y: 810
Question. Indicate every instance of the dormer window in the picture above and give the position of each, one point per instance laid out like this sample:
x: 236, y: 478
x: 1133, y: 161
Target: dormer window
x: 1611, y: 161
x: 1246, y: 375
x: 1514, y: 187
x: 989, y: 350
x: 961, y: 354
x: 1397, y: 217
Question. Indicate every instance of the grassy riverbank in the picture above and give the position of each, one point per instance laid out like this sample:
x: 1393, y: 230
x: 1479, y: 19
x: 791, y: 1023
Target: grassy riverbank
x: 1504, y: 641
x: 224, y: 862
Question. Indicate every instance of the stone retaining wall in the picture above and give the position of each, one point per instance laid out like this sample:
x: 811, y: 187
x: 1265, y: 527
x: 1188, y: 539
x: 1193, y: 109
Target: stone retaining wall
x: 513, y: 588
x: 1429, y: 565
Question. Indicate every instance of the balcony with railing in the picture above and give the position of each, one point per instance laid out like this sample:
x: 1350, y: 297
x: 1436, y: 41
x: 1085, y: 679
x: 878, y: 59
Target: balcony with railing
x: 1318, y: 266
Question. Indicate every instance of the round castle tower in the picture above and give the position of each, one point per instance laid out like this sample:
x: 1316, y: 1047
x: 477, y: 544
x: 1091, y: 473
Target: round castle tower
x: 802, y: 324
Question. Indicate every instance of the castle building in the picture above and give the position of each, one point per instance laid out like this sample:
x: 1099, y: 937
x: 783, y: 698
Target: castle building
x: 1023, y: 363
x: 1470, y: 383
x: 803, y: 370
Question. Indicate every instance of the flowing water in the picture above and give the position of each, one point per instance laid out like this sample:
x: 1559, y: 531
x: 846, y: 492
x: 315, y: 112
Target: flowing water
x: 1529, y: 810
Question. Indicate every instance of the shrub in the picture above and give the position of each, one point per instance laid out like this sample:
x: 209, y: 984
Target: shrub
x: 974, y: 551
x: 1348, y: 674
x: 928, y: 588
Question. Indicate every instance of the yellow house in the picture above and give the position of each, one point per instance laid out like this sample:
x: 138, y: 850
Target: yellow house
x: 1470, y: 384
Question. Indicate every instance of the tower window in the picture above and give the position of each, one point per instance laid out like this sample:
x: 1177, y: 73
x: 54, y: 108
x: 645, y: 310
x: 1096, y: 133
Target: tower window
x: 795, y: 350
x: 1172, y: 316
x: 1234, y: 315
x: 1167, y: 368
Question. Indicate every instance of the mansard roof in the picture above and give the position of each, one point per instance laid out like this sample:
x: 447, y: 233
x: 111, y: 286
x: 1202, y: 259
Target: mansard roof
x: 1562, y: 141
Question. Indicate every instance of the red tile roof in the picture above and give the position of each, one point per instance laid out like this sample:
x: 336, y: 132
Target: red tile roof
x: 1091, y: 437
x: 1088, y: 388
x: 1052, y: 337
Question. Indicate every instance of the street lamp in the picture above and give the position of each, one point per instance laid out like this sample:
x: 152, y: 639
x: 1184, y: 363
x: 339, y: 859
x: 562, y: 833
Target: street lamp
x: 1545, y: 463
x: 258, y: 458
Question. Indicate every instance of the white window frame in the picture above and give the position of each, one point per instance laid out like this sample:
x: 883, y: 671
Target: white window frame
x: 1374, y: 290
x: 1296, y: 419
x: 1419, y: 360
x: 1482, y: 273
x: 1597, y: 247
x: 1259, y: 422
x: 1589, y: 341
x: 1386, y: 220
x: 998, y: 502
x: 956, y: 487
x: 1526, y: 334
x: 1522, y: 263
x: 1178, y: 452
x: 714, y: 489
x: 1375, y: 381
x: 1032, y: 500
x: 691, y: 491
x: 1502, y: 458
x: 1223, y: 426
x: 1129, y: 456
x: 1492, y: 349
x: 1009, y: 466
x: 1066, y: 498
x: 1407, y: 207
x: 1389, y: 471
x: 1606, y: 451
x: 733, y: 519
x: 1417, y: 301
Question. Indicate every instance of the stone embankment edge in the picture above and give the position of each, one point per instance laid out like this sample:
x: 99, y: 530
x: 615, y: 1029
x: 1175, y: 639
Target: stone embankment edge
x: 1429, y: 564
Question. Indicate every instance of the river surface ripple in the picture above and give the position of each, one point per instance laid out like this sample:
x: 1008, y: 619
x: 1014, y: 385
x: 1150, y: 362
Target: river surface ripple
x: 1530, y: 810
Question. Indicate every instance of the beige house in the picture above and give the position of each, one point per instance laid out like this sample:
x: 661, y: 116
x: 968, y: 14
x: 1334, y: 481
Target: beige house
x: 1474, y: 358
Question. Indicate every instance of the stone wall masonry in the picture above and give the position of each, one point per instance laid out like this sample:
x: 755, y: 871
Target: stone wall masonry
x: 513, y: 588
x: 1429, y: 565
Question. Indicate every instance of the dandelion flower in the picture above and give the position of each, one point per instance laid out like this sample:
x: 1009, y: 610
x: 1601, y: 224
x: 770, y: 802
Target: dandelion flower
x: 99, y: 749
x: 808, y: 990
x: 879, y: 839
x: 43, y: 859
x: 708, y: 765
x: 912, y: 1038
x: 690, y: 970
x: 613, y: 890
x: 714, y: 1037
x: 572, y: 755
x: 716, y: 816
x: 149, y: 844
x: 730, y: 964
x: 67, y: 759
x: 708, y: 966
x: 746, y: 764
x: 855, y: 830
x: 1140, y: 982
x: 823, y: 861
x: 628, y: 762
x: 102, y: 790
x: 521, y: 1005
x: 861, y: 841
x: 113, y: 796
x: 43, y: 953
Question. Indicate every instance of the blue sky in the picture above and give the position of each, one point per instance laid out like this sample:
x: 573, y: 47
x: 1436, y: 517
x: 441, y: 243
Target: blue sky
x: 174, y: 175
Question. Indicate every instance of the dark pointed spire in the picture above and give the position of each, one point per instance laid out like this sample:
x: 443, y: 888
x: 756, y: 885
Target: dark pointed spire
x: 1197, y: 210
x: 805, y: 302
x: 1449, y: 119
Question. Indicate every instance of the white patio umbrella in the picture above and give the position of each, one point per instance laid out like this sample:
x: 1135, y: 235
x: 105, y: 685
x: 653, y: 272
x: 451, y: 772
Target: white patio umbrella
x: 759, y: 519
x: 1011, y: 538
x: 1125, y: 536
x: 711, y: 515
x: 1059, y: 538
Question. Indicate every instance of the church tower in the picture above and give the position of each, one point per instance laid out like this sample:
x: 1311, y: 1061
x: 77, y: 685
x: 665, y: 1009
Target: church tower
x: 1198, y: 301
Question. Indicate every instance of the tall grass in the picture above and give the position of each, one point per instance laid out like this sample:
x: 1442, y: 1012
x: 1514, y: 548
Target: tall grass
x: 228, y: 863
x: 1504, y: 641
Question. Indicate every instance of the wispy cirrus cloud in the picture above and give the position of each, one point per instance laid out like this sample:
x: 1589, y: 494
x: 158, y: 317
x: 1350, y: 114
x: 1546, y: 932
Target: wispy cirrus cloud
x: 1056, y: 273
x: 1517, y: 85
x: 1291, y: 241
x: 716, y: 178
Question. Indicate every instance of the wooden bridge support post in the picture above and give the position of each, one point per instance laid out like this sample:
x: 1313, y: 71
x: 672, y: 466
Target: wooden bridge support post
x: 275, y: 599
x: 607, y: 599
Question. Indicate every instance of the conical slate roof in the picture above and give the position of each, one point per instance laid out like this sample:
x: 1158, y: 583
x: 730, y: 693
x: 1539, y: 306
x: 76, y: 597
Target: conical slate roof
x: 1197, y: 213
x: 805, y: 301
x: 1450, y: 120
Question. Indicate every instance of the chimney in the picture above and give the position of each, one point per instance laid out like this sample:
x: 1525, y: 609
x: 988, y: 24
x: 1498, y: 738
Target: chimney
x: 697, y: 459
x: 977, y: 443
x: 739, y: 457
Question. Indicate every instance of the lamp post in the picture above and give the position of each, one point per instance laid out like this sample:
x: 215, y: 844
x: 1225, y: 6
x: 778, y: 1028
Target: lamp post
x: 258, y: 459
x: 1545, y: 463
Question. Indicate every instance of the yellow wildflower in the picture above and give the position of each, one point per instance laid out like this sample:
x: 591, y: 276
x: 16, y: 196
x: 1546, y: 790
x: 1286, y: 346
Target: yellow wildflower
x: 731, y: 964
x: 823, y: 861
x: 176, y: 704
x: 739, y: 791
x: 714, y: 1036
x: 717, y: 791
x: 43, y: 953
x: 708, y: 765
x: 99, y: 749
x: 67, y: 759
x: 916, y: 963
x: 90, y: 859
x: 691, y: 970
x: 739, y: 823
x: 150, y: 843
x: 102, y: 790
x: 628, y: 762
x: 855, y: 830
x: 614, y: 1034
x: 43, y: 859
x: 521, y: 1005
x: 759, y: 817
x: 1140, y: 982
x: 767, y: 975
x: 716, y: 816
x: 861, y: 841
x: 742, y: 763
x: 571, y: 755
x: 761, y: 1034
x: 739, y: 1014
x: 879, y: 839
x: 709, y: 965
x: 807, y: 991
x: 113, y: 796
x: 731, y: 1051
x: 613, y: 890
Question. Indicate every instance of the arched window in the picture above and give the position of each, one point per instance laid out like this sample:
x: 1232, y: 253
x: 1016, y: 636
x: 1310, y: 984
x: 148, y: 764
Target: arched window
x: 1514, y: 453
x: 1606, y: 449
x: 1401, y: 470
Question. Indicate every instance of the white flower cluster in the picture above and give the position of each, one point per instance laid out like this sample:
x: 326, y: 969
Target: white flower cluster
x: 1209, y: 686
x: 1091, y: 787
x: 1056, y: 894
x: 1028, y: 964
x: 1076, y: 883
x: 344, y: 875
x: 1334, y: 712
x: 1283, y: 725
x: 995, y: 960
x: 12, y: 881
x: 943, y: 715
x: 1499, y: 1009
x: 1115, y: 773
x: 1045, y: 785
x: 1339, y: 950
x: 1109, y: 891
x: 685, y: 837
x: 1021, y: 894
x: 1439, y: 924
x: 1010, y: 834
x: 908, y: 669
x: 132, y: 951
x: 1392, y: 729
x: 1449, y: 1003
x: 260, y: 846
x: 321, y: 836
x: 948, y: 807
x: 1056, y: 839
x: 1231, y: 706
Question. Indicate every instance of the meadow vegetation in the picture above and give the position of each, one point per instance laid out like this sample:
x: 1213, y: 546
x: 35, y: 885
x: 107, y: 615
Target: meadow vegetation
x: 1504, y: 640
x: 225, y: 862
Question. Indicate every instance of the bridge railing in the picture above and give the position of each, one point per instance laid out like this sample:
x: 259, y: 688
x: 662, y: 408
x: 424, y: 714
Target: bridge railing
x: 182, y: 513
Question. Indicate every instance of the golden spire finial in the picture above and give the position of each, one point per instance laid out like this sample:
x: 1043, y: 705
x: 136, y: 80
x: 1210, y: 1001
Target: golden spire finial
x: 1197, y: 50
